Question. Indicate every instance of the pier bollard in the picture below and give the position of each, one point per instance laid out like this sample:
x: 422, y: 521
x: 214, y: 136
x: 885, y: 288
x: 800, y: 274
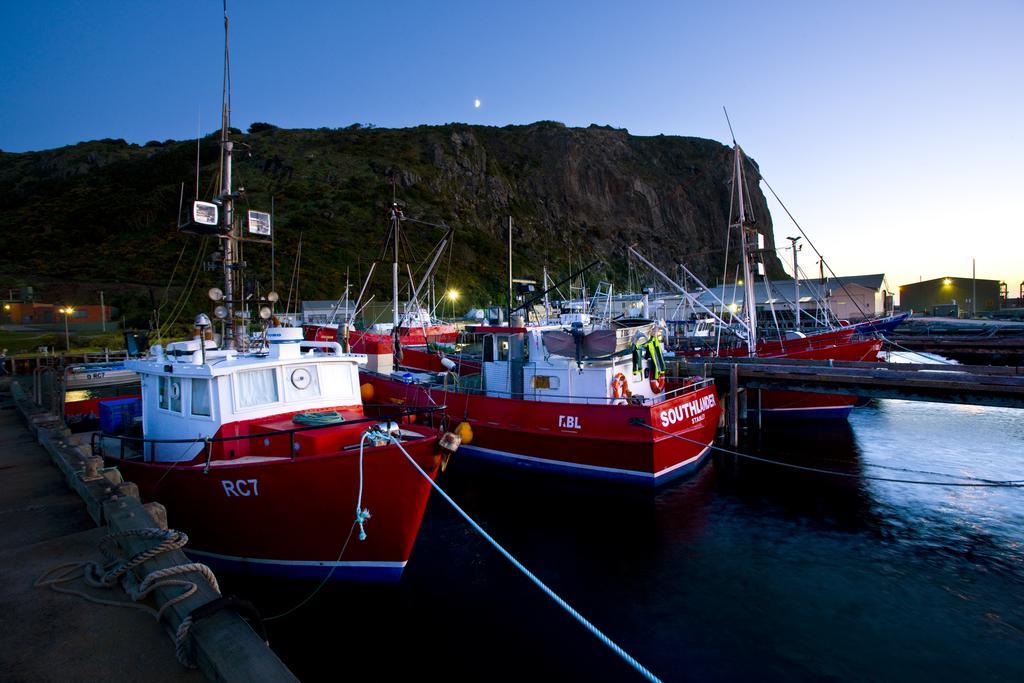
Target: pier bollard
x: 158, y: 512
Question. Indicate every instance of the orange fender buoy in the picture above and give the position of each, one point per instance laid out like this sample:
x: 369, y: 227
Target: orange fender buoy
x: 465, y: 432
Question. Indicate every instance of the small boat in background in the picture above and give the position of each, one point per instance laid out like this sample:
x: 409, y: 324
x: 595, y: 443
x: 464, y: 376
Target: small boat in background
x: 413, y: 326
x: 87, y: 387
x: 845, y: 343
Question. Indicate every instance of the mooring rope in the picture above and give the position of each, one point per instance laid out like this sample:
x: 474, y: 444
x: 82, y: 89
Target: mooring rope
x: 625, y: 656
x: 362, y: 515
x: 939, y: 359
x: 323, y: 582
x: 984, y: 483
x: 107, y: 576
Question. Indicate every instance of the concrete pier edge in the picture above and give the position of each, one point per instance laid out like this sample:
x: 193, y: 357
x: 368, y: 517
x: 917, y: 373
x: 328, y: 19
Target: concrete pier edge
x: 223, y: 645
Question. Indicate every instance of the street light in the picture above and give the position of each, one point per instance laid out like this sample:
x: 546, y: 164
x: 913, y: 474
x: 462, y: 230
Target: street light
x: 67, y: 311
x: 453, y: 295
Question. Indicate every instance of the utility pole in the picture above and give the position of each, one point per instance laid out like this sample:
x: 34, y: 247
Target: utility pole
x: 103, y: 312
x: 796, y: 280
x: 974, y: 288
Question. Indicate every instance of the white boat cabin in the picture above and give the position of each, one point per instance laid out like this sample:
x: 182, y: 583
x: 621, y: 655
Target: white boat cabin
x: 191, y: 392
x: 517, y: 364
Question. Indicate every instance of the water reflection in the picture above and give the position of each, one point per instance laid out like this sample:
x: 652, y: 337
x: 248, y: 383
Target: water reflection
x: 745, y: 571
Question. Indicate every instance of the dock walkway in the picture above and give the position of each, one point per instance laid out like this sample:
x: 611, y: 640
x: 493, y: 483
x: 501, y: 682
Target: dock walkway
x: 48, y: 636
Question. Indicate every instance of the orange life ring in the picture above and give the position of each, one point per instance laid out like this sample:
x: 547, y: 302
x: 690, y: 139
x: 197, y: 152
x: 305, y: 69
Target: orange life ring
x: 657, y: 385
x: 620, y: 389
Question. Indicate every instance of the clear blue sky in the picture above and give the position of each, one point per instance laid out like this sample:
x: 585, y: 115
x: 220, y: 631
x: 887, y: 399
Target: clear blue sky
x: 892, y: 130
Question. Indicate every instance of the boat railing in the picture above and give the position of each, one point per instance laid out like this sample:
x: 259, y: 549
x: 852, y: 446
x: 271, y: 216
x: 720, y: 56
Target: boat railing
x: 208, y: 442
x: 589, y: 400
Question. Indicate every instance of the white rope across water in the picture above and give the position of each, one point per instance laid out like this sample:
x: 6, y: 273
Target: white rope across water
x: 625, y: 656
x: 975, y: 482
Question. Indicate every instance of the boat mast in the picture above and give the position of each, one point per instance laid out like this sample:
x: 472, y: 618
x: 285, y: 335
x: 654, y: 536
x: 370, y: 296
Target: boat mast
x: 509, y: 308
x: 396, y: 224
x: 547, y: 302
x: 233, y: 332
x: 748, y: 234
x: 796, y: 281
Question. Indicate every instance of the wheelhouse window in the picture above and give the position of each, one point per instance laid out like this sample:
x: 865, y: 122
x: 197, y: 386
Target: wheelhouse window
x: 301, y: 382
x: 169, y: 389
x: 339, y: 380
x: 545, y: 382
x: 201, y: 397
x: 256, y: 388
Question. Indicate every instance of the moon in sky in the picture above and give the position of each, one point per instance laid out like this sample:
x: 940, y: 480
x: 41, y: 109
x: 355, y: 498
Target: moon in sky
x: 476, y: 103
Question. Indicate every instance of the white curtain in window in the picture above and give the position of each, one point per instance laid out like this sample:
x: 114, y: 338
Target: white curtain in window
x: 201, y: 397
x: 339, y: 380
x: 256, y: 387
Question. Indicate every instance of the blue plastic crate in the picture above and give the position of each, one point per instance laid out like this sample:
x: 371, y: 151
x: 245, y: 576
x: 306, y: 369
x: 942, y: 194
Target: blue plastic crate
x: 117, y: 416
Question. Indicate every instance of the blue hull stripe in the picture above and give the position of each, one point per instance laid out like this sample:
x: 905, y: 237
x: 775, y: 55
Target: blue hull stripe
x: 817, y: 413
x: 590, y: 471
x: 363, y: 572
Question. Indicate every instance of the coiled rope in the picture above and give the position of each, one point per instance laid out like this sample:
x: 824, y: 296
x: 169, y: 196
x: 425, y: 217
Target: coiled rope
x: 106, y: 575
x: 975, y: 483
x: 319, y: 418
x: 625, y: 656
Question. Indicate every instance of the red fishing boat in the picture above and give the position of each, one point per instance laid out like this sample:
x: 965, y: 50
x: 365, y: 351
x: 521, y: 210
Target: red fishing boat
x: 268, y: 461
x: 837, y: 344
x: 411, y: 325
x: 529, y: 407
x: 423, y: 335
x: 264, y: 456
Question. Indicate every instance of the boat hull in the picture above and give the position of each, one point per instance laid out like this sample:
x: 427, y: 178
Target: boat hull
x: 290, y: 518
x: 801, y: 405
x: 444, y: 333
x: 586, y: 440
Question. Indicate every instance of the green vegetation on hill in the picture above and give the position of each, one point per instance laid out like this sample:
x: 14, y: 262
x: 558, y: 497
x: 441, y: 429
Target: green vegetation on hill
x: 106, y: 211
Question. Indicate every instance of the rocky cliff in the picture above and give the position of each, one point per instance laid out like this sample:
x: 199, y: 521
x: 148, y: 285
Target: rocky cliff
x: 105, y: 211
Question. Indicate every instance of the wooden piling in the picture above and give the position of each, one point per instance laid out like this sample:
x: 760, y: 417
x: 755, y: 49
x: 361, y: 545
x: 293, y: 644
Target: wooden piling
x: 733, y: 407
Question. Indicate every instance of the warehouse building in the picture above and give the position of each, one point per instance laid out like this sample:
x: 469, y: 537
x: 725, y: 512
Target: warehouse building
x: 951, y: 296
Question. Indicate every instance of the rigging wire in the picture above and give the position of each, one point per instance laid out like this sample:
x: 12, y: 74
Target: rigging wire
x: 186, y: 293
x: 809, y: 242
x: 1015, y: 484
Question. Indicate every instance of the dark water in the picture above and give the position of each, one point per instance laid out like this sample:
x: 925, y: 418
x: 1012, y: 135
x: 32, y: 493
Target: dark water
x: 744, y: 572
